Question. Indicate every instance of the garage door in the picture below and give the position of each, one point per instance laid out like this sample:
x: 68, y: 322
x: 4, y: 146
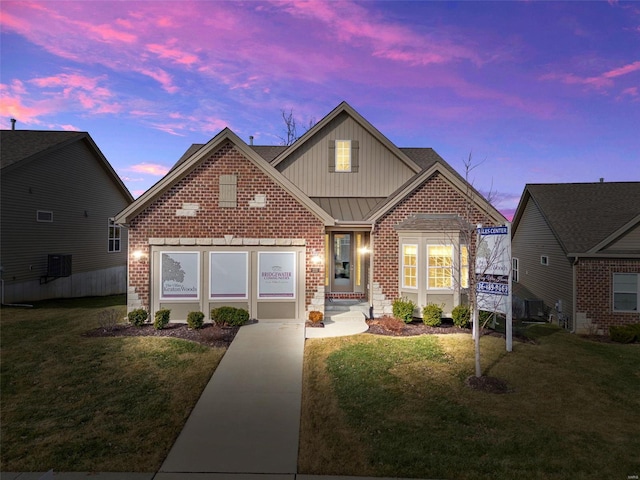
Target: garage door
x: 268, y: 282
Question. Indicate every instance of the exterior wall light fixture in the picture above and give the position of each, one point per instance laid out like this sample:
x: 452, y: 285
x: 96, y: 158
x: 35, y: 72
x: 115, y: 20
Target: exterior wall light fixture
x: 140, y: 256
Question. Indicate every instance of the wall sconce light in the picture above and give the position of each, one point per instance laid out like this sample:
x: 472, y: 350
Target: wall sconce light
x: 140, y: 256
x: 316, y: 258
x: 364, y: 250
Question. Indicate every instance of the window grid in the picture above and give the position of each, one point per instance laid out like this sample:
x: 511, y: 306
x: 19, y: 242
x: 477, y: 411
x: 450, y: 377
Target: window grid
x: 114, y: 236
x: 343, y: 155
x: 409, y: 266
x: 440, y: 266
x: 626, y: 291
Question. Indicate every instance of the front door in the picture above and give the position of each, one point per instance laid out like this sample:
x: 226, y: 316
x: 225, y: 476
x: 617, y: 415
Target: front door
x: 342, y: 262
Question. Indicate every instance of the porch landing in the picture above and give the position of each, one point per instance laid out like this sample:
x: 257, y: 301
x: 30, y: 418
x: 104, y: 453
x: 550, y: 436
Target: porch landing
x: 341, y: 318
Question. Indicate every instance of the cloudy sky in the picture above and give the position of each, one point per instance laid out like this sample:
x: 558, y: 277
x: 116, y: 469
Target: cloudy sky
x: 534, y: 91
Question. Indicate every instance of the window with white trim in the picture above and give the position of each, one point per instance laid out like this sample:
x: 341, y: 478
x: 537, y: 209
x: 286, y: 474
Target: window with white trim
x: 544, y: 260
x: 114, y: 236
x: 440, y: 267
x: 626, y: 292
x: 464, y: 266
x: 409, y: 266
x: 515, y: 269
x: 343, y: 155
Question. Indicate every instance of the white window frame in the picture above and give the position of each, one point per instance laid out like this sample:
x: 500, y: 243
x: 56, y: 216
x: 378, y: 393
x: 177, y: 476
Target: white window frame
x: 515, y: 269
x: 44, y: 220
x: 544, y: 260
x: 115, y: 238
x: 625, y: 291
x: 343, y: 156
x: 404, y: 266
x: 451, y: 267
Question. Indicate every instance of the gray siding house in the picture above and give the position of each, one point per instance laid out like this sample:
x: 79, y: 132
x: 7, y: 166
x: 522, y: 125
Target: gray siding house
x: 59, y: 197
x: 576, y: 246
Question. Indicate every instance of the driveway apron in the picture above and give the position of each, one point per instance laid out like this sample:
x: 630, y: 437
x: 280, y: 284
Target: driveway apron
x: 248, y: 417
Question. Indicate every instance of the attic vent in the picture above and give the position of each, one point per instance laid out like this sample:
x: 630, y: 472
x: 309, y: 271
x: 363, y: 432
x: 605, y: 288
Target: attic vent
x: 44, y: 216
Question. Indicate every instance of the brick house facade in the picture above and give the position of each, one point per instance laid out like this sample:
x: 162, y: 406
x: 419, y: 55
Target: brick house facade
x: 576, y: 247
x: 305, y: 223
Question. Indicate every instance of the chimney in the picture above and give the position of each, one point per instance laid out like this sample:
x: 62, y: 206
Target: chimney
x: 13, y: 124
x: 601, y: 179
x: 250, y: 139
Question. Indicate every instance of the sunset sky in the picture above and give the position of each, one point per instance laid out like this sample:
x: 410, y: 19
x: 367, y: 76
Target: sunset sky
x: 536, y: 92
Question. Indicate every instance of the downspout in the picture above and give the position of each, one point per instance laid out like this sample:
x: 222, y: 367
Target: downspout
x: 574, y: 295
x: 371, y: 314
x: 10, y: 304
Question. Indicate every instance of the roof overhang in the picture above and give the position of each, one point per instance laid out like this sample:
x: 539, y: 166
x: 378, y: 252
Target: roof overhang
x: 183, y: 169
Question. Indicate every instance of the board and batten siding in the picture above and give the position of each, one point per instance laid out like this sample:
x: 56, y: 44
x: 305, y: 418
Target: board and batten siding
x: 73, y: 184
x: 532, y: 239
x: 380, y: 171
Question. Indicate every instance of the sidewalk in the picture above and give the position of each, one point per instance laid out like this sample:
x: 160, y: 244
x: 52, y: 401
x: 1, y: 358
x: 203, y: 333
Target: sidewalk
x: 248, y: 417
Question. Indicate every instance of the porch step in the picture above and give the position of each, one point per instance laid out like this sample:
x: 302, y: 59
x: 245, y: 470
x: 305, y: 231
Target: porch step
x: 342, y: 306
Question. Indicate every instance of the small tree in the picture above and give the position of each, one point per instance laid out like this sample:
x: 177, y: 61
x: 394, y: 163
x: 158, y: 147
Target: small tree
x: 291, y: 127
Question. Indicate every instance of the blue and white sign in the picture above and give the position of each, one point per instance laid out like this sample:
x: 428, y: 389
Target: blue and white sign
x: 493, y: 266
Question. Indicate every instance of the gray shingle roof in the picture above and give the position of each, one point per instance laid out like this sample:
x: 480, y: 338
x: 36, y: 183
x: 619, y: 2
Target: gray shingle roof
x: 348, y: 208
x: 434, y: 222
x: 17, y: 145
x: 584, y: 214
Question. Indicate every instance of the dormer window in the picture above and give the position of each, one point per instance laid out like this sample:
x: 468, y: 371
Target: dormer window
x: 343, y: 156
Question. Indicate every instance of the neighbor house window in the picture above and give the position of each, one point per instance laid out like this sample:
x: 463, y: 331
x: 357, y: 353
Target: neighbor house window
x: 114, y: 236
x: 544, y: 260
x: 626, y: 291
x: 440, y: 266
x: 343, y: 155
x: 464, y: 266
x: 515, y: 269
x: 409, y: 266
x: 44, y: 216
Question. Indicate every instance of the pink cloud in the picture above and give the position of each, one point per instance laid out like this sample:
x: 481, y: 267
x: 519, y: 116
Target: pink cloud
x: 599, y: 81
x: 174, y: 54
x: 149, y: 169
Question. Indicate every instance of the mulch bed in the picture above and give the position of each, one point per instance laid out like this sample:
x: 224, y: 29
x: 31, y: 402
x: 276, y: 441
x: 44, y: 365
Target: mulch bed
x: 209, y: 335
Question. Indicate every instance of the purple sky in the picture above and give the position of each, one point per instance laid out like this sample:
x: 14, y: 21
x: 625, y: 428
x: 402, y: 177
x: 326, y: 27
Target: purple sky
x: 536, y: 91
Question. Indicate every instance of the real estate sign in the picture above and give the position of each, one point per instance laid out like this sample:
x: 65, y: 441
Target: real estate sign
x: 277, y: 275
x: 180, y: 275
x: 493, y: 273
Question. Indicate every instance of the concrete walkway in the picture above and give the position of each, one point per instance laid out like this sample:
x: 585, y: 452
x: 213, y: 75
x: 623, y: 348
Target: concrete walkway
x: 248, y: 417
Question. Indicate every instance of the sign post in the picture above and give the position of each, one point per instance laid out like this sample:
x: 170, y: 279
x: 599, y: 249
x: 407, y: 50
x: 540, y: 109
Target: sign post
x: 493, y: 274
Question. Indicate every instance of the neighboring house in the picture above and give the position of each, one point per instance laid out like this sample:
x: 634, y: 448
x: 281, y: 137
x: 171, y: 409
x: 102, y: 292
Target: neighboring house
x: 342, y: 213
x: 59, y: 197
x: 576, y: 246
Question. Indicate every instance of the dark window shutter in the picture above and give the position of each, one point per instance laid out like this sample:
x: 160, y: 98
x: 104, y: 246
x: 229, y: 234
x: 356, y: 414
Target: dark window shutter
x: 332, y: 156
x: 355, y: 151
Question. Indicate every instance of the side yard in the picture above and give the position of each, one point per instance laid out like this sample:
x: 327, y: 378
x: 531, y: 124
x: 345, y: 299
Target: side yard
x: 77, y: 403
x: 399, y: 407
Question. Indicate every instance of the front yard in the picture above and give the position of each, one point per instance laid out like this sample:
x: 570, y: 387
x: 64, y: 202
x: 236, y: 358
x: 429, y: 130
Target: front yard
x: 74, y: 403
x: 384, y: 406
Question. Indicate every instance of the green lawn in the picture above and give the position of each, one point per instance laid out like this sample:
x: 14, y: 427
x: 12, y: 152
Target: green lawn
x: 385, y: 406
x: 74, y: 403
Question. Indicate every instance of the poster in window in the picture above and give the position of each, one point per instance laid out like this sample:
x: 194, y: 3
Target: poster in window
x: 228, y: 277
x: 180, y: 274
x: 277, y: 275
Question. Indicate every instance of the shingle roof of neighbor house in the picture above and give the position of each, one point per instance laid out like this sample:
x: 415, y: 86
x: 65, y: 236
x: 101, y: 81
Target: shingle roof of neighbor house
x: 583, y: 214
x: 19, y: 145
x: 25, y: 145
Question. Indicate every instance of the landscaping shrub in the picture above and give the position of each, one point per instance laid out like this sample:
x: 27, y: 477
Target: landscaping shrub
x: 229, y: 316
x: 625, y: 333
x: 315, y: 316
x: 432, y: 314
x: 138, y: 316
x: 403, y: 309
x: 162, y: 318
x: 461, y: 316
x: 195, y: 320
